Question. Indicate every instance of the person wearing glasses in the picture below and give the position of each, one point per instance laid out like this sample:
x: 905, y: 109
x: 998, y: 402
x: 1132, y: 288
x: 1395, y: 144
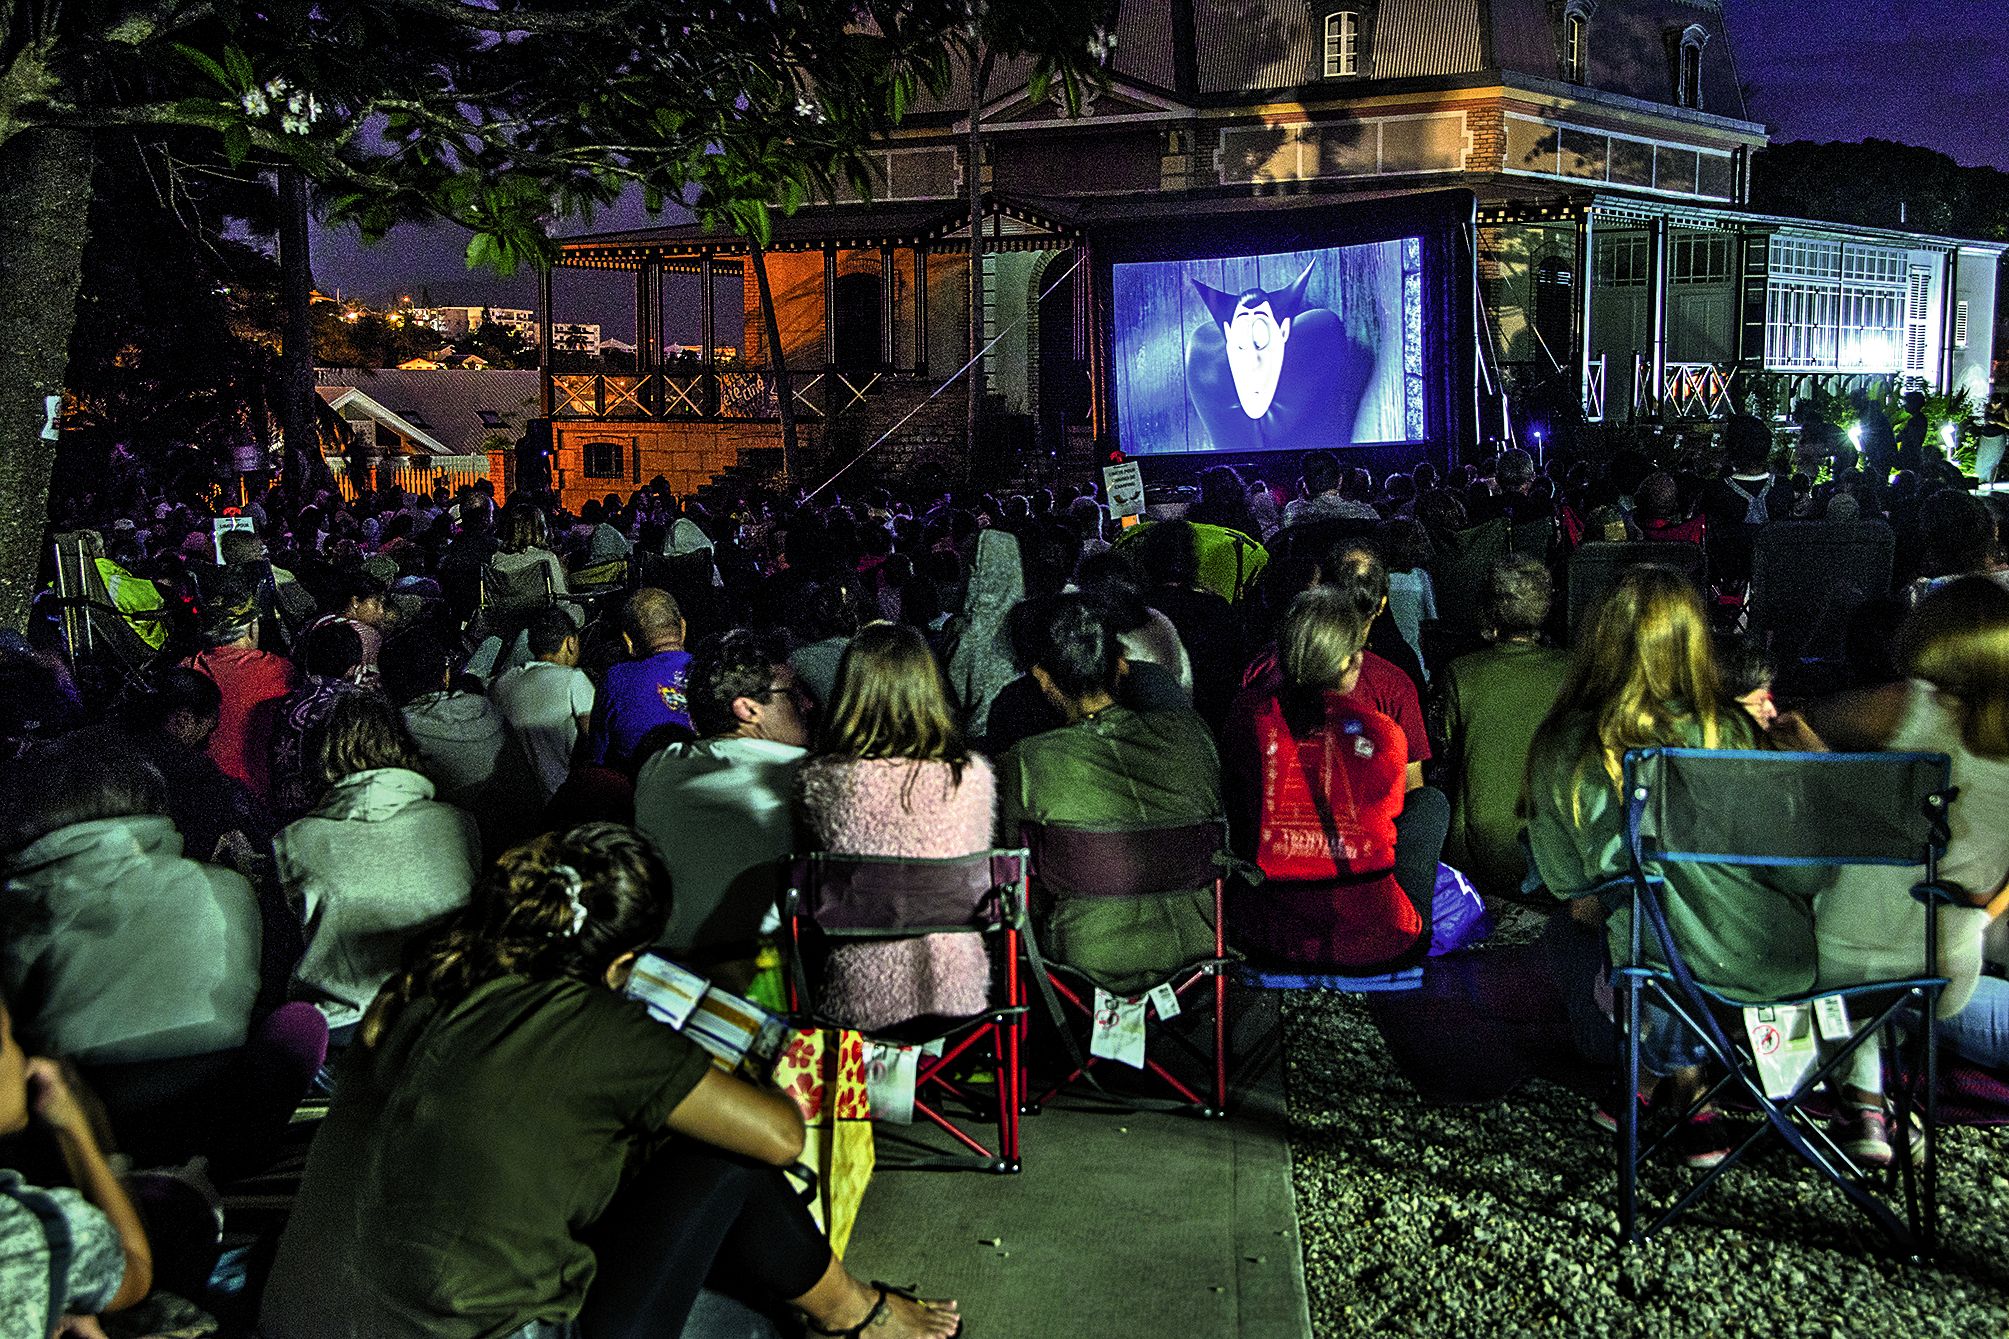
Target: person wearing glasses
x: 722, y: 806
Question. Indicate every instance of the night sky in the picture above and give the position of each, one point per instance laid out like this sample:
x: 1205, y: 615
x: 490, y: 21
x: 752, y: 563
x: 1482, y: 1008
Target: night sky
x: 1921, y: 73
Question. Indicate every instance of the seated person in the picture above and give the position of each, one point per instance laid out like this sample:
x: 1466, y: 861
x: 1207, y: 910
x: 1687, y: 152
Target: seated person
x: 1491, y: 701
x: 892, y: 777
x: 375, y: 861
x: 644, y: 703
x: 1315, y: 786
x: 1657, y: 509
x: 548, y: 703
x: 253, y: 683
x: 722, y: 807
x: 482, y: 1171
x: 1109, y: 766
x: 114, y: 946
x: 331, y: 656
x: 1642, y: 675
x: 105, y: 1262
x: 1954, y: 699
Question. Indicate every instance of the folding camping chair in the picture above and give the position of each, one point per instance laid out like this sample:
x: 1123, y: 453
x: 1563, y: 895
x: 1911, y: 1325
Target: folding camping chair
x: 1809, y: 577
x: 92, y: 619
x: 879, y: 898
x: 1130, y: 863
x: 1595, y: 568
x: 1737, y: 807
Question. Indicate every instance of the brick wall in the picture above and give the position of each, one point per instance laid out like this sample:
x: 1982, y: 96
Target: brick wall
x: 1488, y: 128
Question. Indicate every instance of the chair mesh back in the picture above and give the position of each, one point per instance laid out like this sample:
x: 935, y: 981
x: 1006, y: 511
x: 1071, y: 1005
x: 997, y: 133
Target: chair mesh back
x: 1725, y: 806
x: 885, y: 895
x: 1808, y: 577
x: 1129, y: 862
x: 1596, y: 567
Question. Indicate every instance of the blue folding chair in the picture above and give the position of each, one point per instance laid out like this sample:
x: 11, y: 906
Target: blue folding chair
x: 1785, y: 810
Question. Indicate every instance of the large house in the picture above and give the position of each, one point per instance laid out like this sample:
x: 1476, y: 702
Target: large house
x: 1614, y: 266
x: 421, y: 426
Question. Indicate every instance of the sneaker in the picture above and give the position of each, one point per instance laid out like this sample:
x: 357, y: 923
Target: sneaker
x: 1702, y: 1141
x: 1864, y: 1133
x: 1605, y: 1117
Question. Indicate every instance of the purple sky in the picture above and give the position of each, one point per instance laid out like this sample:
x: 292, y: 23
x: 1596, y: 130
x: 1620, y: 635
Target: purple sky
x: 1921, y: 73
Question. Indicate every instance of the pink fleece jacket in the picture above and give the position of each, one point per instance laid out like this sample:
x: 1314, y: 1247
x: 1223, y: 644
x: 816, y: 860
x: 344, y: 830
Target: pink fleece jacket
x: 868, y: 807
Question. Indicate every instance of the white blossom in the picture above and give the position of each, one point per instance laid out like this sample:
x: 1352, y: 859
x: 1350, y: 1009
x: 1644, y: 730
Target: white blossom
x: 255, y: 103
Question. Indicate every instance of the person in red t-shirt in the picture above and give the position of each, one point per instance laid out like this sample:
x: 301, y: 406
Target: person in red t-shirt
x: 253, y: 683
x: 1317, y: 797
x: 1355, y: 572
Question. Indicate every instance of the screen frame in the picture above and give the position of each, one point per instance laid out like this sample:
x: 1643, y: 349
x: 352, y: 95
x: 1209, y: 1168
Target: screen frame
x: 1445, y: 223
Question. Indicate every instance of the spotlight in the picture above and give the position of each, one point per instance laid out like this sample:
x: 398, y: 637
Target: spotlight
x: 1856, y: 435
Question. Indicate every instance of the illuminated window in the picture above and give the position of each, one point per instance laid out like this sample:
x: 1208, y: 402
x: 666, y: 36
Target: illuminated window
x: 1342, y: 44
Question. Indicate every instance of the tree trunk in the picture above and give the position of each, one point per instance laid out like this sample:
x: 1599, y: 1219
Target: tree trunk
x: 297, y: 422
x: 45, y: 203
x: 784, y: 389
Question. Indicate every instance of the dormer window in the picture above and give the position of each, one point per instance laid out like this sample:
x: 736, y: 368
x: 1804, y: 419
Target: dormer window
x: 1342, y: 44
x: 1576, y: 46
x: 1688, y: 70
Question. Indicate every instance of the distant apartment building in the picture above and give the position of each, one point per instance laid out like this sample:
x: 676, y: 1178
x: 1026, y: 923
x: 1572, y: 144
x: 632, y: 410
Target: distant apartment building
x: 453, y: 322
x: 575, y: 338
x: 520, y: 321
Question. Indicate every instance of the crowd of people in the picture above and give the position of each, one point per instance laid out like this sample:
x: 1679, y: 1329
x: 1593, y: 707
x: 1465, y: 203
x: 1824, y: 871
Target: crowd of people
x: 388, y: 793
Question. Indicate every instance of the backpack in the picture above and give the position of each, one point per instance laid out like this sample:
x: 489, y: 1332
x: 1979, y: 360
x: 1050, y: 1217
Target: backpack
x: 1756, y: 509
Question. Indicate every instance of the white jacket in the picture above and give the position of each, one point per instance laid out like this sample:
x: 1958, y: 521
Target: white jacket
x: 377, y: 860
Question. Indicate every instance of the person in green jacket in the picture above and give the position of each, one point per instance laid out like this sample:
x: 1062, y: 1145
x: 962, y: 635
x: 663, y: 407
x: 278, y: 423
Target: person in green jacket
x: 1490, y: 703
x: 1108, y: 767
x: 1644, y: 675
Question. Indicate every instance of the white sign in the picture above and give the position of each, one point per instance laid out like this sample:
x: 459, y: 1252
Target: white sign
x: 1124, y: 486
x: 52, y: 406
x: 223, y: 525
x: 1118, y: 1033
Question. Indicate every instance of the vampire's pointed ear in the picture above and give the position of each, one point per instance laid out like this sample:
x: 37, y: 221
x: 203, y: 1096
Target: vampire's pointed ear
x: 1288, y: 302
x: 1222, y: 305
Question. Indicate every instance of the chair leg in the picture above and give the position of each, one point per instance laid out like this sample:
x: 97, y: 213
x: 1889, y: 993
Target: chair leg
x: 1628, y: 1140
x: 1220, y: 1042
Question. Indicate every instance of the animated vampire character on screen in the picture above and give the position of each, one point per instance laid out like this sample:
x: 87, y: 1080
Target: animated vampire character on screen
x: 1269, y: 373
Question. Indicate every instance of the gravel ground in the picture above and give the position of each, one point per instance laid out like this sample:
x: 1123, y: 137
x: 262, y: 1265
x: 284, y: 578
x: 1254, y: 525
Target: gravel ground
x: 1501, y: 1219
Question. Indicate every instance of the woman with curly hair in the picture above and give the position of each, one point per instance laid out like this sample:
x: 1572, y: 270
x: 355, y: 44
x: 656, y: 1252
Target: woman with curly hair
x: 517, y: 1149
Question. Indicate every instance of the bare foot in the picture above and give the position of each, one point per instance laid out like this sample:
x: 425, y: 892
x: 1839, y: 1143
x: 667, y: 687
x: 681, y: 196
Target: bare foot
x: 899, y: 1317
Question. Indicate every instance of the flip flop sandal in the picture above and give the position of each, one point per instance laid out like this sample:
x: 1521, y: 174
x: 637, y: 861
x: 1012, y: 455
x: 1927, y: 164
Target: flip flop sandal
x: 886, y: 1292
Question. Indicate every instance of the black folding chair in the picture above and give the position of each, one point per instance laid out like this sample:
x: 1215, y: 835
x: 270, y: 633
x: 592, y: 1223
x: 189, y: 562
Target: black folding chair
x: 852, y: 898
x: 1809, y: 577
x: 1137, y: 862
x: 1595, y: 568
x: 1786, y: 810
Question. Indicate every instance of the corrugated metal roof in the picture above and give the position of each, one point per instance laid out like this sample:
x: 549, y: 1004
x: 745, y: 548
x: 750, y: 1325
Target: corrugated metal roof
x: 445, y: 403
x: 1414, y: 38
x: 1253, y: 45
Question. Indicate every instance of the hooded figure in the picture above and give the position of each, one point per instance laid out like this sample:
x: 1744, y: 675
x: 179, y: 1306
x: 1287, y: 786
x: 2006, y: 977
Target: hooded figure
x: 119, y: 948
x: 982, y: 663
x: 1268, y: 373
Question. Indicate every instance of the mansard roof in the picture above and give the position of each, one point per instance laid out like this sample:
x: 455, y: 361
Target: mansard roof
x: 1221, y: 52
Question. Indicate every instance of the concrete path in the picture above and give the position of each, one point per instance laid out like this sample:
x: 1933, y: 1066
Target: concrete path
x: 1123, y: 1225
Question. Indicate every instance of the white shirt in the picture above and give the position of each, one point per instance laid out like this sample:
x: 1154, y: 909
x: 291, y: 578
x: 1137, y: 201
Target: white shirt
x: 542, y: 701
x: 723, y: 813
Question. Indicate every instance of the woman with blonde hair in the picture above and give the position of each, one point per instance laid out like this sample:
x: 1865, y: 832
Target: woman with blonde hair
x: 893, y: 777
x: 495, y: 1162
x: 1643, y: 675
x: 1954, y: 699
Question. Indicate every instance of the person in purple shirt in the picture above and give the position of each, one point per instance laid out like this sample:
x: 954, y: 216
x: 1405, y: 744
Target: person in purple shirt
x: 642, y: 706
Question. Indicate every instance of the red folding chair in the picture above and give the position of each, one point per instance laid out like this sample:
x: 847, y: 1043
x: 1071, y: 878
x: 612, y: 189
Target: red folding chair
x: 851, y: 897
x: 1080, y: 862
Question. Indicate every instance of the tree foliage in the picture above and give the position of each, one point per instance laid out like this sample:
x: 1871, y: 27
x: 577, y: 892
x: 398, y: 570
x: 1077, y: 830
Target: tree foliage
x: 1881, y: 184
